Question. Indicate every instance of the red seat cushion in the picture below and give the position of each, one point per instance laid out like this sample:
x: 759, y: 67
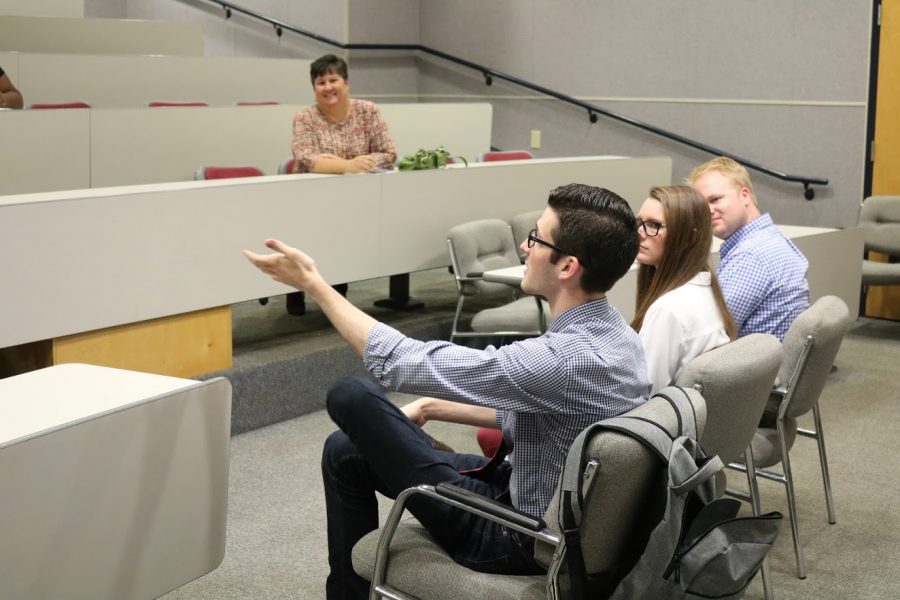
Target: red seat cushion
x: 50, y: 105
x: 230, y: 172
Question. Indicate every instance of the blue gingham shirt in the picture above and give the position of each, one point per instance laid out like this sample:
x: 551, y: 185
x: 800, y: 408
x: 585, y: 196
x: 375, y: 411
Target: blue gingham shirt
x: 588, y: 366
x: 763, y: 278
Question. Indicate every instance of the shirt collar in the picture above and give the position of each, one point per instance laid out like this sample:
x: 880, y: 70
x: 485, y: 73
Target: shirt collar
x: 763, y: 221
x: 594, y: 309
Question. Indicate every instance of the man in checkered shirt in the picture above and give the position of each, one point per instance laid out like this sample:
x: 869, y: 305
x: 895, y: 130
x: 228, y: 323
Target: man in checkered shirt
x: 761, y: 272
x: 542, y: 391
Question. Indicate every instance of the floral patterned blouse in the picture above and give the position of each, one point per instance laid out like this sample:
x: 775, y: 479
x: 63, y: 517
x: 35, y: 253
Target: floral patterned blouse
x: 362, y: 132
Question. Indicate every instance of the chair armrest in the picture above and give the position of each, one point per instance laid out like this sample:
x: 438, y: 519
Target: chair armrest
x: 502, y: 512
x: 460, y: 498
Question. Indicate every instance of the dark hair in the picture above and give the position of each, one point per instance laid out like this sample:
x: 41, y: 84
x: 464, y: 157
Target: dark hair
x: 330, y: 63
x: 598, y: 227
x: 686, y: 252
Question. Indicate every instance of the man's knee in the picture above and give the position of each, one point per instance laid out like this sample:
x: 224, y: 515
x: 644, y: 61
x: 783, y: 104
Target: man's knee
x: 336, y: 449
x: 348, y: 395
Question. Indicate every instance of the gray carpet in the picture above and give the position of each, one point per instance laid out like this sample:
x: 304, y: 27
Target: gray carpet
x: 276, y: 532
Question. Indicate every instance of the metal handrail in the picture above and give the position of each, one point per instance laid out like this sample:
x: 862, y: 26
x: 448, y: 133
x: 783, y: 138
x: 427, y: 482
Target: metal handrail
x: 489, y: 74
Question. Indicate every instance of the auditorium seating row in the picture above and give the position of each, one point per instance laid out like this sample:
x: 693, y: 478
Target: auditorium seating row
x: 76, y: 149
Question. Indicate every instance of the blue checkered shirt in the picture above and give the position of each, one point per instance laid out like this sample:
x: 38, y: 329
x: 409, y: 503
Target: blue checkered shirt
x: 763, y: 278
x: 588, y: 366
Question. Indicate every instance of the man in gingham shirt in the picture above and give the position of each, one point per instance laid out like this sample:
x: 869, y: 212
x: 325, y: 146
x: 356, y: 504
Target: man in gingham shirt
x: 761, y: 272
x: 542, y: 391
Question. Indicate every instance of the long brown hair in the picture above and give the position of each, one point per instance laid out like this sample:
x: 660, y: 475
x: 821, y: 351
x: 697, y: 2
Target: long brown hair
x: 686, y: 252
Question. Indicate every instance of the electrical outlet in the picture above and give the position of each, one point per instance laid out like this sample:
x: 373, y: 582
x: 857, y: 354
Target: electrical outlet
x: 536, y: 139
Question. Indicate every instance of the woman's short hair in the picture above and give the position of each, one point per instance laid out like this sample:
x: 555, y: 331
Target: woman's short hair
x: 686, y: 252
x: 330, y: 63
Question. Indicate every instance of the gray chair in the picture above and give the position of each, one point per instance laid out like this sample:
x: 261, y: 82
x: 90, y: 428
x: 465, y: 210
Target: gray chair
x: 483, y: 245
x: 879, y: 219
x: 810, y: 347
x: 522, y: 224
x: 735, y: 380
x: 619, y: 474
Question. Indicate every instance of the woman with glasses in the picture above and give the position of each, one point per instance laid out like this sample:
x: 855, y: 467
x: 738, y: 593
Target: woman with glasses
x: 680, y: 312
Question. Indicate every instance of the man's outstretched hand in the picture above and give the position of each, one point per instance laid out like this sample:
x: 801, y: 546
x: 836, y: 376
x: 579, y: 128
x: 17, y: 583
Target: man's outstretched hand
x: 286, y: 265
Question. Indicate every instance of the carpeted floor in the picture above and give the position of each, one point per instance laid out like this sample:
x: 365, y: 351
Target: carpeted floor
x: 276, y: 534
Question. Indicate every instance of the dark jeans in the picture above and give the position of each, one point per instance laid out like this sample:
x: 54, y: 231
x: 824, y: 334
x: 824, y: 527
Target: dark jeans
x: 379, y: 449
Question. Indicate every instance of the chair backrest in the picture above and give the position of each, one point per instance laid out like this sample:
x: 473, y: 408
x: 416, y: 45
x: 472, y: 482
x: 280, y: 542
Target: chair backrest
x: 54, y: 105
x: 624, y: 476
x: 879, y: 219
x: 166, y: 103
x: 521, y: 224
x: 735, y: 380
x: 226, y: 172
x: 826, y: 322
x: 479, y: 246
x: 287, y: 167
x: 506, y: 155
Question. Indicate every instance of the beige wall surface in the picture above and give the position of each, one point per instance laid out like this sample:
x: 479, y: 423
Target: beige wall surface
x: 108, y: 81
x: 43, y: 8
x: 763, y: 80
x: 99, y: 36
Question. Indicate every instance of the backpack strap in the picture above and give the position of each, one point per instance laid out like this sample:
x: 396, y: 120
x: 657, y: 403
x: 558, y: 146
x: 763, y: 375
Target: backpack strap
x: 650, y: 434
x: 571, y: 499
x: 684, y: 410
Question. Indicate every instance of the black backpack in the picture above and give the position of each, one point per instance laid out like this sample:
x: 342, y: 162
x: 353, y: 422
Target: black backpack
x: 698, y: 547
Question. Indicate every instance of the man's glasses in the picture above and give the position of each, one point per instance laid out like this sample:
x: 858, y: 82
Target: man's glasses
x: 651, y: 228
x: 534, y: 239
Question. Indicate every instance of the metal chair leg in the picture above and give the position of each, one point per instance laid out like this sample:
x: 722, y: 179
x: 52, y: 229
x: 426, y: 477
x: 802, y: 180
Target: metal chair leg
x: 755, y: 505
x: 455, y: 328
x: 792, y: 500
x: 823, y: 461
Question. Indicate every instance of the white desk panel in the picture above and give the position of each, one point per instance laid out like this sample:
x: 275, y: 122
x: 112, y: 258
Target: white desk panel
x: 463, y: 129
x: 151, y: 145
x: 421, y: 206
x: 124, y: 255
x: 52, y: 150
x: 120, y: 81
x: 44, y: 400
x: 115, y: 482
x: 43, y: 8
x: 99, y: 36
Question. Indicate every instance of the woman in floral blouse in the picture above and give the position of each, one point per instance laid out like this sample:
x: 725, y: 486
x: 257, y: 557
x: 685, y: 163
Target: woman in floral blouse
x: 339, y: 134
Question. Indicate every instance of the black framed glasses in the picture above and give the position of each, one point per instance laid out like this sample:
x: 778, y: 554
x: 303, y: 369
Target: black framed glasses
x: 651, y: 228
x: 534, y: 239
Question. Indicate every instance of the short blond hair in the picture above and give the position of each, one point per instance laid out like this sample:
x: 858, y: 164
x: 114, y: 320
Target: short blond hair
x: 730, y: 169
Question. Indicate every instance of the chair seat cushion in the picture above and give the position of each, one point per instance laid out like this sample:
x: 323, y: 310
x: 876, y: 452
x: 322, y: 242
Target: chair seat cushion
x: 880, y: 273
x: 418, y: 566
x: 521, y: 315
x: 766, y: 450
